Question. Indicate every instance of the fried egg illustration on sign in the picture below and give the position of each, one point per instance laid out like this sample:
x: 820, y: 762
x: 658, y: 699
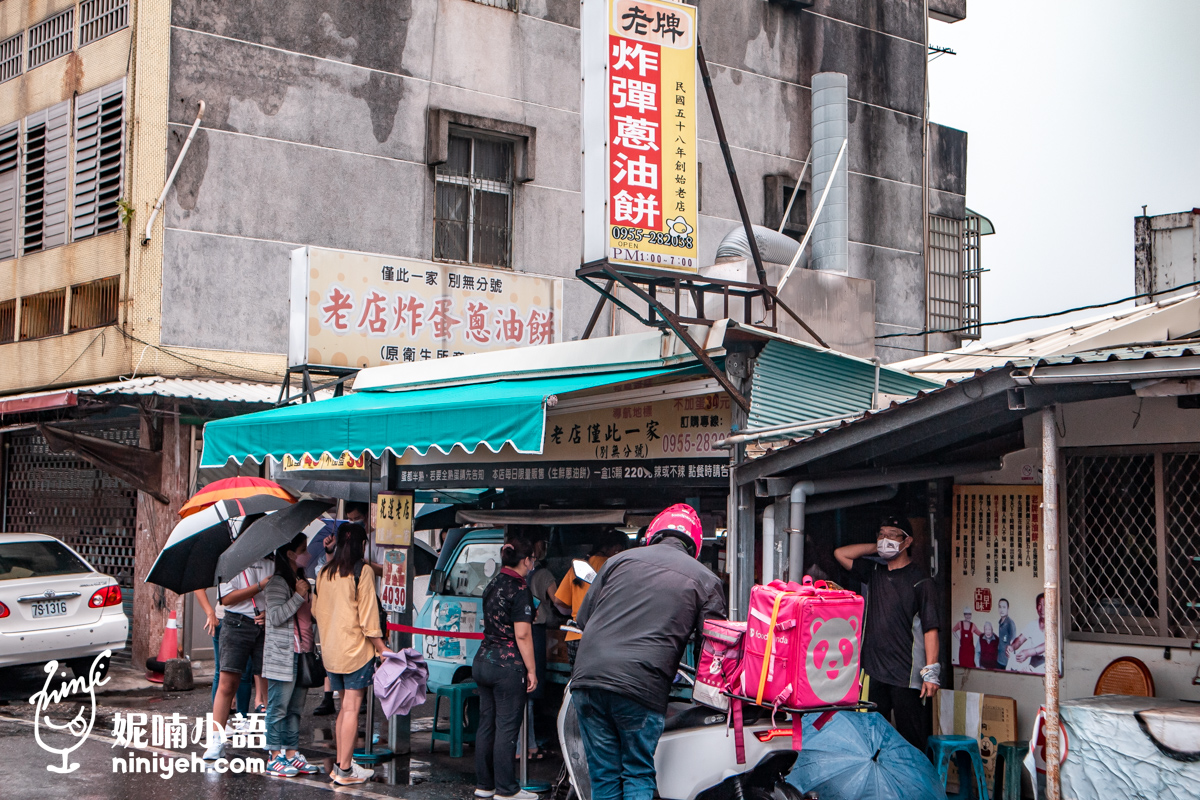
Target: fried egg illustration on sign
x: 832, y: 658
x: 80, y: 725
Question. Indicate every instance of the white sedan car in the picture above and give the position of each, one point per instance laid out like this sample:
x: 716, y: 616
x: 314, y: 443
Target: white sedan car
x: 53, y: 605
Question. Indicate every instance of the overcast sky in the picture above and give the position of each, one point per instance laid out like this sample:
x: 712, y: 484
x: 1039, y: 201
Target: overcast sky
x: 1077, y: 114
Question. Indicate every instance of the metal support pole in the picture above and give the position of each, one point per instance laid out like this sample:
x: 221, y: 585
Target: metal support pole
x: 591, y: 326
x: 733, y: 178
x: 1050, y: 602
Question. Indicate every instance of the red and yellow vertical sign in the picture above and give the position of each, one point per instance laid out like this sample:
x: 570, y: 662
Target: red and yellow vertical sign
x: 653, y: 200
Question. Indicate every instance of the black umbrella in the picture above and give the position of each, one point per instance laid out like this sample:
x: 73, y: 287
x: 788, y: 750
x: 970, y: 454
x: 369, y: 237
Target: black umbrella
x: 188, y: 560
x: 263, y: 536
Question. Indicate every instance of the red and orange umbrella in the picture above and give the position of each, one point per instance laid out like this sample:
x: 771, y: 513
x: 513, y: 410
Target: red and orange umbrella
x: 233, y: 489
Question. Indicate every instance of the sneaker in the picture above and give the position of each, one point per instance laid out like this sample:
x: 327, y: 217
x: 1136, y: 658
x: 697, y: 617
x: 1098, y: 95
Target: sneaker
x: 361, y: 771
x: 345, y: 777
x: 302, y: 766
x: 324, y: 708
x: 216, y: 749
x: 485, y: 794
x: 280, y: 767
x: 520, y: 795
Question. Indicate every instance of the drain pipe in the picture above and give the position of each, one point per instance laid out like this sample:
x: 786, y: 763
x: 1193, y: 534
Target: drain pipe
x: 798, y: 496
x: 174, y: 171
x: 801, y: 490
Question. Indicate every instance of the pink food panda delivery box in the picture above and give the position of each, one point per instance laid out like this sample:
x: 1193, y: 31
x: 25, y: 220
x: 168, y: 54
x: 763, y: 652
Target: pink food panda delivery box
x: 802, y: 645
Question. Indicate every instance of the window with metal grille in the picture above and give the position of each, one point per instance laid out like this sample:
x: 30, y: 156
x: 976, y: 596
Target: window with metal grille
x: 8, y: 321
x: 42, y: 314
x: 99, y: 152
x: 1133, y: 533
x: 10, y: 58
x: 945, y: 274
x: 52, y: 38
x: 94, y: 304
x: 511, y: 5
x: 47, y: 141
x: 10, y: 150
x: 473, y: 214
x: 99, y: 18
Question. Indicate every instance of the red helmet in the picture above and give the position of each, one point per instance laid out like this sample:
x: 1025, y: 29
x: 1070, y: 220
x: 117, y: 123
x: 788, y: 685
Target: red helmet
x: 679, y: 520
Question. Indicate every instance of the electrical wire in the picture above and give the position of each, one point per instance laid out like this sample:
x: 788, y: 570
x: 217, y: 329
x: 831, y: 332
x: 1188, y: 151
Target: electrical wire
x: 1039, y: 316
x: 274, y: 375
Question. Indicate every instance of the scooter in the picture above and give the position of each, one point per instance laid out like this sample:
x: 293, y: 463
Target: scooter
x: 696, y: 758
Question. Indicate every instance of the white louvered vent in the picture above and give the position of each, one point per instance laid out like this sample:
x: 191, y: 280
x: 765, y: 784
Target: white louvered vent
x: 10, y: 145
x: 47, y: 144
x: 99, y: 150
x: 99, y: 18
x: 52, y: 38
x: 10, y: 58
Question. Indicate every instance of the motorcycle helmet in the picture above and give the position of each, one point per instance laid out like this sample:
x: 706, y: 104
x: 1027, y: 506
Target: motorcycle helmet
x: 680, y: 521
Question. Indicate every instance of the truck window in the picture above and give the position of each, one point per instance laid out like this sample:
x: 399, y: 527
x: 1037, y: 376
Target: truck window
x: 474, y: 568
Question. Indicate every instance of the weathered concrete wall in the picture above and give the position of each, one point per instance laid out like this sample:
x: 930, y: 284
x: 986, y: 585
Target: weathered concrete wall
x: 316, y: 134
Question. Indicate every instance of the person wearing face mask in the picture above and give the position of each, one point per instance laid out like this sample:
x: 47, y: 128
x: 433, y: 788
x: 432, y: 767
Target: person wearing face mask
x: 900, y: 643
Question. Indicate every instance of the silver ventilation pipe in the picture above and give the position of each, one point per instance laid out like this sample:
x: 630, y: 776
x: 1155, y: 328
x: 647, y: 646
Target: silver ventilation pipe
x: 830, y: 128
x: 775, y: 247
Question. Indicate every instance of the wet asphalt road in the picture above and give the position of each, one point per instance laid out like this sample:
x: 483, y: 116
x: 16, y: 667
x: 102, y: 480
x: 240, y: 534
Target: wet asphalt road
x: 24, y: 773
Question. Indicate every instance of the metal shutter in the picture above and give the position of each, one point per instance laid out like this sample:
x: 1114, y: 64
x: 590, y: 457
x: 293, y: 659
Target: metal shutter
x: 58, y: 172
x: 99, y: 147
x: 10, y: 141
x: 47, y: 144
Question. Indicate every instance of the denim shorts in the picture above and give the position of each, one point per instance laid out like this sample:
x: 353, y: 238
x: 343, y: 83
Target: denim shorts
x: 359, y: 679
x: 241, y: 641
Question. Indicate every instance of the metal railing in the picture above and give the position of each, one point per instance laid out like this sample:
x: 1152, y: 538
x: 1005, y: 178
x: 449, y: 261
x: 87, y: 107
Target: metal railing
x: 42, y: 314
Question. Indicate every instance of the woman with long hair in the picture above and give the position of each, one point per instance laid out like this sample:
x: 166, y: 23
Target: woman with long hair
x: 289, y: 633
x: 347, y: 612
x: 505, y: 672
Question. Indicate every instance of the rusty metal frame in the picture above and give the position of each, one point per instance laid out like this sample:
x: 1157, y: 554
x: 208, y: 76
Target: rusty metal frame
x: 645, y: 283
x: 308, y: 390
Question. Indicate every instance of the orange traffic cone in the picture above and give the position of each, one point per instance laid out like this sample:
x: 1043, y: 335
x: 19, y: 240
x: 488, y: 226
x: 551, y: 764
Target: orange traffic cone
x: 166, y: 651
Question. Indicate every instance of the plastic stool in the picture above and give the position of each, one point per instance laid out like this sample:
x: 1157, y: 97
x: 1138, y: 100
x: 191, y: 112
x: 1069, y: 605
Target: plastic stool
x: 965, y: 752
x: 463, y: 701
x: 1010, y: 758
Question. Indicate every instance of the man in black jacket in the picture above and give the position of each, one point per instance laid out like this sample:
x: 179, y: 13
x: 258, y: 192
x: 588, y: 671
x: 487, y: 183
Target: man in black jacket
x: 640, y: 612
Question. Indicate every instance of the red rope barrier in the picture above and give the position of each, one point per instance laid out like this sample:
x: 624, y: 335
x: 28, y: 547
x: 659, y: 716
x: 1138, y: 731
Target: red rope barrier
x: 392, y: 626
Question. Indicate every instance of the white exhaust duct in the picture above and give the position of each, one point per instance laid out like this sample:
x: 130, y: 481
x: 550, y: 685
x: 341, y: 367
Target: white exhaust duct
x: 830, y: 128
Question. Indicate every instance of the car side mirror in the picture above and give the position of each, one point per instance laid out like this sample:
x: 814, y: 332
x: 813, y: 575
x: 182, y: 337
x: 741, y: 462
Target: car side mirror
x: 583, y: 571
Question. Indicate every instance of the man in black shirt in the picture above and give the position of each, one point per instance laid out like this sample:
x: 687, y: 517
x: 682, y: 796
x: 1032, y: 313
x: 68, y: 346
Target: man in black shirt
x: 900, y: 643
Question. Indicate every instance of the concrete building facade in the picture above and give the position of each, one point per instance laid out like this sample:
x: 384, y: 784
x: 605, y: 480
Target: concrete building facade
x: 341, y: 124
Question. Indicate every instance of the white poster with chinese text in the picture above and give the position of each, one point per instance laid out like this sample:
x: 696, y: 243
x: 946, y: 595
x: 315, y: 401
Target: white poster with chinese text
x: 360, y: 310
x: 997, y: 606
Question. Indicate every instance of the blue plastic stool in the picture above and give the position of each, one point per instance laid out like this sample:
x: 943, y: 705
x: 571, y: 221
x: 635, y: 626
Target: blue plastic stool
x: 965, y: 752
x: 1010, y: 762
x: 464, y: 716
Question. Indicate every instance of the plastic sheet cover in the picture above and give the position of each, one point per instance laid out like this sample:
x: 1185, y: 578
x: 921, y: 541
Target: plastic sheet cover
x: 1112, y: 753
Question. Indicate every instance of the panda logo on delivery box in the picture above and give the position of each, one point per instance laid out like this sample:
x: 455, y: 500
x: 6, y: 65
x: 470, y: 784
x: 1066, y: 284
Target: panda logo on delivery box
x: 831, y: 660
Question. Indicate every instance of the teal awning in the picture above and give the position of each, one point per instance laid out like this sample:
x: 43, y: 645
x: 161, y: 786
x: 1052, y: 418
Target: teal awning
x: 489, y: 414
x: 797, y: 384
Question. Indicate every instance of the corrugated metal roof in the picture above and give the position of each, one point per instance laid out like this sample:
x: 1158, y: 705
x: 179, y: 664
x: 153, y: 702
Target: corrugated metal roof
x: 210, y: 391
x: 1127, y: 353
x: 183, y: 388
x: 1190, y: 347
x: 1160, y: 321
x: 794, y: 384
